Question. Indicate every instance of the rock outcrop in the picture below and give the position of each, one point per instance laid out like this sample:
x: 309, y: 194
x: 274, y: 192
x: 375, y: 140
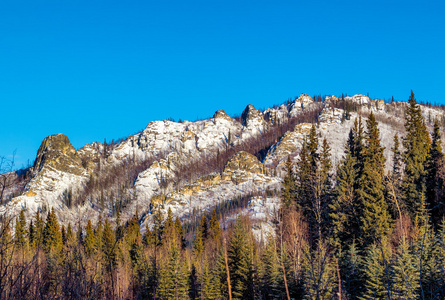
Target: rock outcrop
x: 241, y: 167
x: 252, y: 116
x: 57, y: 152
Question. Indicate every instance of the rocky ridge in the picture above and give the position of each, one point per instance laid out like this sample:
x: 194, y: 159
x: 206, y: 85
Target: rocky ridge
x: 60, y: 170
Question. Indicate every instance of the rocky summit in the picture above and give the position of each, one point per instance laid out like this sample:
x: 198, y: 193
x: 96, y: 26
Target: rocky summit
x: 191, y: 167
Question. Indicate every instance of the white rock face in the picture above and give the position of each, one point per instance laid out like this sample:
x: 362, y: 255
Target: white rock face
x: 302, y: 102
x: 60, y: 168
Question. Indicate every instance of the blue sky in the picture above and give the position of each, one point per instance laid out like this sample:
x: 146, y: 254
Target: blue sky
x: 104, y: 69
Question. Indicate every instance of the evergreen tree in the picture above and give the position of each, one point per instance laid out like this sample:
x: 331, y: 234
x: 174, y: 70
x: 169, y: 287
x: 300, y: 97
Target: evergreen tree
x: 352, y: 277
x: 357, y: 145
x: 52, y: 236
x: 38, y: 230
x: 20, y: 230
x: 406, y: 275
x: 31, y: 234
x: 397, y: 162
x: 239, y: 264
x: 210, y: 282
x: 173, y: 281
x: 109, y: 246
x: 204, y: 227
x: 417, y: 144
x: 304, y: 180
x: 376, y: 273
x: 273, y: 274
x: 198, y: 245
x: 180, y: 232
x: 345, y: 211
x: 288, y: 191
x: 319, y: 272
x: 375, y: 220
x: 312, y: 147
x: 215, y: 229
x: 434, y: 182
x: 90, y: 240
x: 80, y: 240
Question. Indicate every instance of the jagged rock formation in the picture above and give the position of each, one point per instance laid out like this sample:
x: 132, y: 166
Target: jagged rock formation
x: 56, y: 152
x: 60, y: 171
x: 241, y: 167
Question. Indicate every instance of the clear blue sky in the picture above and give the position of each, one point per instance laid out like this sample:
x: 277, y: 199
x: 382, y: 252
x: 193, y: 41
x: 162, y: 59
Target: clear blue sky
x: 104, y: 69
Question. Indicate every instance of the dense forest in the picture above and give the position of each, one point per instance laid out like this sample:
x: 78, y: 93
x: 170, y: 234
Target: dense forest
x: 356, y: 232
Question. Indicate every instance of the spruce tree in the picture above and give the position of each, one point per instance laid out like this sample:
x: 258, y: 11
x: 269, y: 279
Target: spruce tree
x: 210, y: 282
x: 173, y: 281
x: 304, y: 180
x: 319, y: 272
x: 215, y: 229
x: 375, y: 220
x: 417, y: 144
x: 312, y: 147
x: 20, y: 230
x: 38, y: 230
x: 434, y: 182
x: 52, y: 236
x: 109, y: 246
x: 31, y: 234
x: 204, y: 227
x: 405, y: 273
x: 273, y: 274
x: 90, y: 240
x: 345, y: 210
x: 376, y: 273
x: 352, y: 272
x: 239, y: 264
x: 397, y: 161
x: 288, y: 191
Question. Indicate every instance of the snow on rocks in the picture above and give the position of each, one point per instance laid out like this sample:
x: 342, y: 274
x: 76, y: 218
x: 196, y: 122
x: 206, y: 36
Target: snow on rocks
x: 291, y: 142
x: 302, y: 102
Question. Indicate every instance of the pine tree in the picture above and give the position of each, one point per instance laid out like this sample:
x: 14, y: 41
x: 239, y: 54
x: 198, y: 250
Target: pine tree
x: 427, y: 257
x: 434, y: 182
x: 52, y: 236
x: 319, y: 272
x: 312, y: 147
x: 273, y: 274
x: 180, y: 232
x: 198, y: 245
x: 288, y: 191
x: 376, y: 273
x: 20, y: 230
x: 406, y: 275
x: 69, y: 234
x: 304, y: 180
x: 79, y: 234
x: 239, y: 264
x: 109, y: 246
x: 356, y: 142
x: 397, y: 161
x: 345, y: 210
x: 215, y: 229
x: 31, y: 234
x: 38, y: 230
x: 352, y: 273
x: 375, y: 219
x: 204, y: 227
x: 173, y: 281
x: 417, y: 144
x: 210, y: 282
x: 90, y: 240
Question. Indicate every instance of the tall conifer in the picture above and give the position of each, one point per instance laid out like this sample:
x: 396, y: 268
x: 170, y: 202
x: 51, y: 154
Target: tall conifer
x: 417, y: 144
